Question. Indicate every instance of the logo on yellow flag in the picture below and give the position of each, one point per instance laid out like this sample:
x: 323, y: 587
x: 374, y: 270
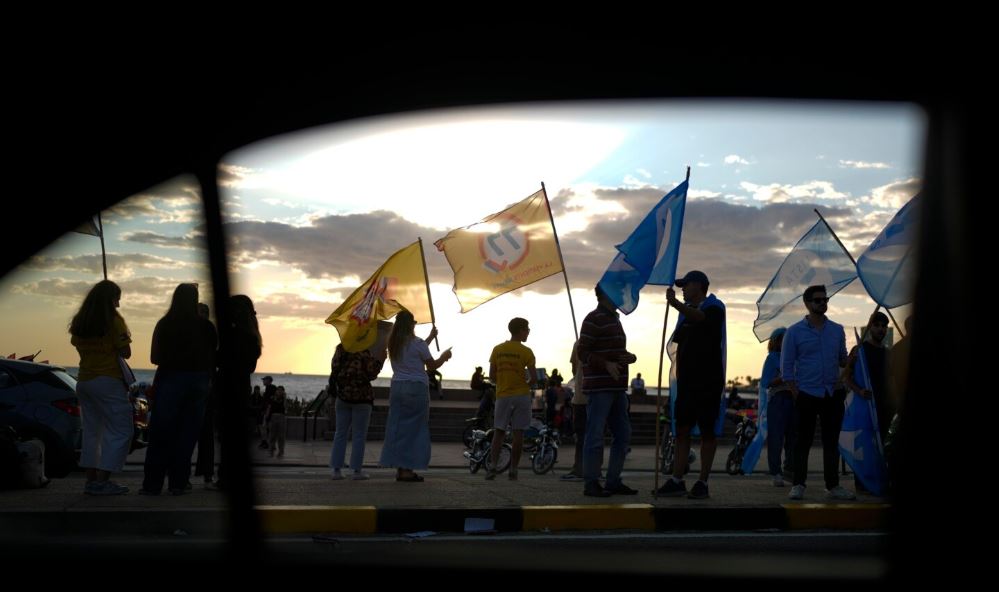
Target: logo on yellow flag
x: 503, y: 252
x: 400, y: 283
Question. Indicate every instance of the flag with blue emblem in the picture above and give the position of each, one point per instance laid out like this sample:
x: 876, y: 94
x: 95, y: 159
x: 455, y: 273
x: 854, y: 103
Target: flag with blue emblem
x: 649, y: 255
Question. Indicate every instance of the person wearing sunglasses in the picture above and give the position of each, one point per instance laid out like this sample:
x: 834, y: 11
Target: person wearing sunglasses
x: 812, y: 355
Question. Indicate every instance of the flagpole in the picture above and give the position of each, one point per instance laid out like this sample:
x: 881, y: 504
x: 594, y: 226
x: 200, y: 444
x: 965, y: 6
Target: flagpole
x: 659, y: 394
x: 659, y: 386
x: 104, y: 255
x: 565, y: 273
x: 854, y: 261
x: 430, y: 300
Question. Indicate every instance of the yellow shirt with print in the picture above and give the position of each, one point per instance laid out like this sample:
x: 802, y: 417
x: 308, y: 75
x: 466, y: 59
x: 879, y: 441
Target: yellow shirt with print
x: 99, y: 355
x: 511, y: 358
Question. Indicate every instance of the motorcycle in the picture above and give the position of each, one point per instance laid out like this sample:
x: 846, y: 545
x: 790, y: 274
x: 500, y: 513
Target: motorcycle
x: 478, y: 454
x: 745, y: 431
x: 545, y: 453
x: 483, y: 419
x: 668, y: 450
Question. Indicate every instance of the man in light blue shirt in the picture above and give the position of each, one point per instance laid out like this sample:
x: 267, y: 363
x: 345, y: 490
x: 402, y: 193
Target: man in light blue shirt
x: 814, y: 350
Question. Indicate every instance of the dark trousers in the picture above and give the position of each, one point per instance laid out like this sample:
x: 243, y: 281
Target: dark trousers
x: 781, y: 431
x: 579, y: 431
x: 830, y: 413
x: 174, y: 428
x: 205, y: 465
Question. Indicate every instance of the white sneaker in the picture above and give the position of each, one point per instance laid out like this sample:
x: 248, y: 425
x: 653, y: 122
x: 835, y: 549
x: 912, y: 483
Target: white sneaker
x: 360, y: 476
x: 337, y: 475
x: 797, y: 492
x: 840, y: 493
x: 778, y: 480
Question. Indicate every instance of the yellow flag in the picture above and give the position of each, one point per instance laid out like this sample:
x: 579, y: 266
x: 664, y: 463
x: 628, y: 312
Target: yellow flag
x: 503, y: 252
x: 399, y: 283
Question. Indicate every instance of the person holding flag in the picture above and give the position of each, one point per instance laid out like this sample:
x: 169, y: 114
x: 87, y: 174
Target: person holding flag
x: 876, y: 356
x: 867, y: 419
x: 407, y: 429
x: 700, y: 373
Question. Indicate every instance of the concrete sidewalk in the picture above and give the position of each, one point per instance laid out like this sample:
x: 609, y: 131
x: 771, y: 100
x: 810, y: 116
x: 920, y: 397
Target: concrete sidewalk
x: 295, y: 494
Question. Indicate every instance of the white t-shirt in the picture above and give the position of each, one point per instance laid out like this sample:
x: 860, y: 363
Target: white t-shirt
x: 412, y: 364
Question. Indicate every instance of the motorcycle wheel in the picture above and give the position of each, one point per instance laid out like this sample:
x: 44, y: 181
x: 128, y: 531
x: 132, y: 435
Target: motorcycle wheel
x: 503, y: 462
x: 544, y: 459
x: 466, y: 436
x: 666, y: 458
x: 734, y: 463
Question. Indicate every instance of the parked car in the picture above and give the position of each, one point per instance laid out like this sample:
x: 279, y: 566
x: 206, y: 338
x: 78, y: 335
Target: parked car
x: 39, y: 401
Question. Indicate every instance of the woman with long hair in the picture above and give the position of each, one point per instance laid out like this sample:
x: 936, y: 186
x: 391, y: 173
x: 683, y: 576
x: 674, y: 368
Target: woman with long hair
x: 101, y: 337
x: 238, y: 361
x: 407, y: 429
x: 183, y: 349
x: 351, y: 374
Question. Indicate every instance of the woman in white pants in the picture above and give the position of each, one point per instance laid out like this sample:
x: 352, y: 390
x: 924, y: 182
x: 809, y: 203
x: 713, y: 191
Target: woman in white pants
x: 101, y: 337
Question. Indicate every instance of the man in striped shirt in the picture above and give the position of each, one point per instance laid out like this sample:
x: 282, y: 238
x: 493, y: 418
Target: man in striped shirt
x: 604, y: 358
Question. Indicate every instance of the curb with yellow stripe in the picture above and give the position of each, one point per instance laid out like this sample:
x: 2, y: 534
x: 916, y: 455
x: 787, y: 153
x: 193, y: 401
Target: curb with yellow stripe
x: 370, y: 519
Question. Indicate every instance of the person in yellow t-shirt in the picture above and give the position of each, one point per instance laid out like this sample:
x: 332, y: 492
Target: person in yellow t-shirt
x: 510, y: 366
x: 100, y: 335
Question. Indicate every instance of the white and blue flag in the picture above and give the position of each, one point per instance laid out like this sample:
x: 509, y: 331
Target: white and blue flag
x: 887, y: 268
x: 859, y: 438
x: 817, y: 259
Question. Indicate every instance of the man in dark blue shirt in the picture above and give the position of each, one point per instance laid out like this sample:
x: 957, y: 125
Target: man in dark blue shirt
x: 700, y: 376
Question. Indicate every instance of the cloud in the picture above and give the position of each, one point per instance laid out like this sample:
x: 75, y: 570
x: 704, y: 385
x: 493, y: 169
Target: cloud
x: 231, y: 175
x: 177, y: 201
x: 118, y: 264
x: 807, y: 192
x: 896, y: 194
x: 858, y: 164
x: 735, y: 159
x: 146, y: 297
x: 738, y: 246
x: 193, y: 240
x: 331, y: 246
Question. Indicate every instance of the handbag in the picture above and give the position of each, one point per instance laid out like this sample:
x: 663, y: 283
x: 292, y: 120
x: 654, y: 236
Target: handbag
x: 126, y: 373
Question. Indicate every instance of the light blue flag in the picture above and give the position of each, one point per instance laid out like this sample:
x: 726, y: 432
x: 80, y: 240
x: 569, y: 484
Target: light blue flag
x: 671, y: 347
x: 755, y: 448
x: 887, y: 268
x: 649, y: 255
x: 859, y: 439
x: 817, y: 259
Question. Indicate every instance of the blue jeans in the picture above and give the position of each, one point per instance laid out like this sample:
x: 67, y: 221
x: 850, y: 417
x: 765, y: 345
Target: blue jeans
x: 606, y: 409
x: 354, y: 416
x: 781, y: 431
x: 174, y: 427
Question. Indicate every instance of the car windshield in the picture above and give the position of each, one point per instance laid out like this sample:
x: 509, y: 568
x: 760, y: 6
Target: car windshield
x: 66, y: 378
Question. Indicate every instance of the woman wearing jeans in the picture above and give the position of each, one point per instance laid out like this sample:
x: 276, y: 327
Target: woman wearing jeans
x: 351, y: 376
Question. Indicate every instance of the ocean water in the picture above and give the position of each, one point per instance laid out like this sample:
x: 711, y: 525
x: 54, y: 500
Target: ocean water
x: 304, y: 386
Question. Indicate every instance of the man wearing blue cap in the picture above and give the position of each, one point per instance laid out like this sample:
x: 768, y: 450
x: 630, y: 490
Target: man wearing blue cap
x: 700, y: 376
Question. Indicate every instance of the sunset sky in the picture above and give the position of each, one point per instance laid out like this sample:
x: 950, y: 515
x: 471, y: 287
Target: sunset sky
x: 310, y: 216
